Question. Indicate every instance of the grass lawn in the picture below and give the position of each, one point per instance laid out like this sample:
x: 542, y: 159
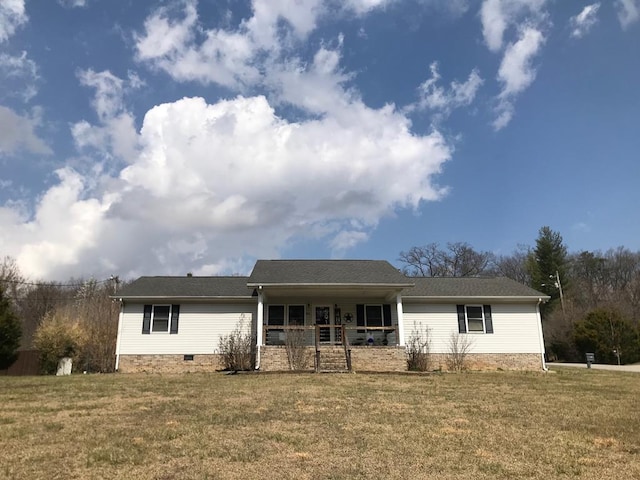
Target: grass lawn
x: 568, y: 424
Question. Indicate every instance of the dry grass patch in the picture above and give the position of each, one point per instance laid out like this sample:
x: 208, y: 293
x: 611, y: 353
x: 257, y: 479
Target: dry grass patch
x: 572, y: 424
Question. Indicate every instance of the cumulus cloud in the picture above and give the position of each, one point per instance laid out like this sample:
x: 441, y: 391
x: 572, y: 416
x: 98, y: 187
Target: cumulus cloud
x: 516, y: 72
x: 583, y: 22
x: 18, y: 132
x: 628, y: 12
x: 207, y: 187
x: 12, y: 15
x: 443, y: 100
x: 227, y: 180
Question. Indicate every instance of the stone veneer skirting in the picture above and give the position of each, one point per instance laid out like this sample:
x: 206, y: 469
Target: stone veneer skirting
x: 168, y: 363
x: 363, y: 359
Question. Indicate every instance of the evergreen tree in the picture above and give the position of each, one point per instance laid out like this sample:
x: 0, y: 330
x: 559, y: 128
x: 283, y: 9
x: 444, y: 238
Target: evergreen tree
x: 10, y: 333
x: 548, y: 267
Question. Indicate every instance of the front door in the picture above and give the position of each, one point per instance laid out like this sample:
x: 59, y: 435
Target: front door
x: 323, y: 317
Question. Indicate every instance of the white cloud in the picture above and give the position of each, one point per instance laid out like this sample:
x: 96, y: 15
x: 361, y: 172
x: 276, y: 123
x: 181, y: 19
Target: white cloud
x: 224, y: 181
x: 500, y: 19
x: 18, y: 133
x: 498, y: 15
x: 19, y: 75
x: 236, y: 57
x: 583, y: 22
x: 628, y: 12
x: 12, y: 15
x: 442, y: 100
x: 516, y: 72
x: 115, y: 134
x: 73, y: 3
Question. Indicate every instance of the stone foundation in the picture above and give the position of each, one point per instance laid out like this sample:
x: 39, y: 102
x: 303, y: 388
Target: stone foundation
x: 363, y: 359
x: 492, y: 361
x: 274, y: 358
x: 168, y: 363
x: 378, y: 359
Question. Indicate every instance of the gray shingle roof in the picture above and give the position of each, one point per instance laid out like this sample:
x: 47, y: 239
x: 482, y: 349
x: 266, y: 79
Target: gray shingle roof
x: 469, y: 287
x: 186, y: 287
x: 327, y: 272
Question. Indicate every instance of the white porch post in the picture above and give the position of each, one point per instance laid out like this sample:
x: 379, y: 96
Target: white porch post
x: 259, y: 326
x: 400, y: 320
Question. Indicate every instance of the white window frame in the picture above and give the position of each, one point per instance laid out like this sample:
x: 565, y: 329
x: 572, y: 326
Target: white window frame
x: 466, y: 319
x: 153, y: 316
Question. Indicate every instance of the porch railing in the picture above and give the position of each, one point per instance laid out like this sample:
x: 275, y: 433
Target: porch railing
x: 321, y: 334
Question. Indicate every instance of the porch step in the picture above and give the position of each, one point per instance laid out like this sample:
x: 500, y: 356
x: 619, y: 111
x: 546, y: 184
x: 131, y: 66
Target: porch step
x: 332, y: 359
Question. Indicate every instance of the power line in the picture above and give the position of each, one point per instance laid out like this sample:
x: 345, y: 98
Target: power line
x: 55, y: 284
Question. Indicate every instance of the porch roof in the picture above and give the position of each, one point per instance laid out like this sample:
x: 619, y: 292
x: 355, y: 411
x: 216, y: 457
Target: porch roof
x: 328, y: 273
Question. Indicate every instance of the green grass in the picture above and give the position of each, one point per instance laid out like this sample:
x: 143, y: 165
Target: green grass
x: 568, y: 424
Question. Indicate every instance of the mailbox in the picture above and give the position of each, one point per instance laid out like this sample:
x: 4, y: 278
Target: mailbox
x: 591, y: 358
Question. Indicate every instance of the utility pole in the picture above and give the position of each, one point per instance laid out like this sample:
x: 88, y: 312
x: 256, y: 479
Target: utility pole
x: 116, y: 281
x: 559, y: 287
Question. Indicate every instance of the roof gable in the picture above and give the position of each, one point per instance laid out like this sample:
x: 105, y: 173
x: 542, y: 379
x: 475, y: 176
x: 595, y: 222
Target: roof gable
x: 327, y: 272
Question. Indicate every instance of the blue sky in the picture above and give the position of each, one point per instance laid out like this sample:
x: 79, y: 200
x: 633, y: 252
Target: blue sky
x: 160, y: 138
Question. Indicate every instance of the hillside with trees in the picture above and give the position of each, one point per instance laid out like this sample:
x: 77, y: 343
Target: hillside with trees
x: 595, y: 295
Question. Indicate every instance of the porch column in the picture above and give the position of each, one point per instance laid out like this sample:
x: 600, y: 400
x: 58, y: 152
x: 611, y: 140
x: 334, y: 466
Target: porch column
x: 400, y: 320
x: 259, y: 326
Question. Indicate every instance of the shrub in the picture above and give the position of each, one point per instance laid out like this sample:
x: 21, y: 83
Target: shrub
x: 613, y: 338
x: 296, y: 349
x: 459, y: 349
x: 419, y: 350
x: 238, y: 349
x: 59, y: 335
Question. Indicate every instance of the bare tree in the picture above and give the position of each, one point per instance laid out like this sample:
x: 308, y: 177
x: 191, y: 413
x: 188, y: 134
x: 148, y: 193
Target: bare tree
x: 514, y: 266
x: 457, y: 260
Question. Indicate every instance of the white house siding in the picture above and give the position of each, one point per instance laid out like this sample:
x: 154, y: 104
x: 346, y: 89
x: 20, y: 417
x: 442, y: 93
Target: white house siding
x: 200, y: 328
x: 515, y: 327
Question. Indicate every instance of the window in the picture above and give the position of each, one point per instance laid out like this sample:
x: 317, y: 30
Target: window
x: 373, y: 315
x: 160, y: 319
x: 276, y: 315
x: 296, y: 314
x: 475, y: 319
x: 282, y: 315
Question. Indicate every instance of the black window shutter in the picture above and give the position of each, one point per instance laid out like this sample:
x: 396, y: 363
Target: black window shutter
x: 146, y: 319
x: 360, y: 316
x: 386, y: 315
x: 175, y: 312
x: 462, y: 323
x: 488, y: 321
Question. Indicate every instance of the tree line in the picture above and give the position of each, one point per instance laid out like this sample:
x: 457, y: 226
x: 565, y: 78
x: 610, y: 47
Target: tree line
x: 74, y: 319
x: 595, y: 295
